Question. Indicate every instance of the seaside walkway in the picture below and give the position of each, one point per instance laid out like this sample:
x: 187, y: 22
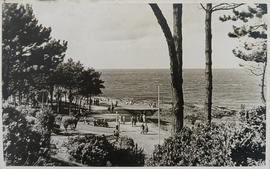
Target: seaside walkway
x: 145, y: 141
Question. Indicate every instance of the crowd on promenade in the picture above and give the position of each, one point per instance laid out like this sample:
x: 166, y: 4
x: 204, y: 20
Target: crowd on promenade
x: 141, y: 118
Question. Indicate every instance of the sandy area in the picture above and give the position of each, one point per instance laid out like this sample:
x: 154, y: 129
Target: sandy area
x: 146, y: 141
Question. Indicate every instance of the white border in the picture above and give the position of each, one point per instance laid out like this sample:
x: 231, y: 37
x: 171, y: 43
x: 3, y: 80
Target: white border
x: 2, y: 164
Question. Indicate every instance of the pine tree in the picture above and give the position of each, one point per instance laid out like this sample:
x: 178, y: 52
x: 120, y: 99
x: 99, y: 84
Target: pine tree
x: 29, y: 54
x: 252, y: 36
x: 68, y: 77
x: 90, y: 84
x: 174, y: 43
x: 209, y: 9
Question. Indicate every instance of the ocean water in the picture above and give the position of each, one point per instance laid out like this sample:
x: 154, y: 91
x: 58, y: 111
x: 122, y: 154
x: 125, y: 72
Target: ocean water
x: 231, y: 87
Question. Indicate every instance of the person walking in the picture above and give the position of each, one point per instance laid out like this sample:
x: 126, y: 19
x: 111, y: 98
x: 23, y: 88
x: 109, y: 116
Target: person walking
x: 135, y: 121
x: 144, y: 118
x: 142, y: 129
x: 116, y: 132
x: 146, y: 128
x: 124, y: 120
x: 132, y: 121
x: 121, y: 117
x: 112, y: 107
x: 118, y: 123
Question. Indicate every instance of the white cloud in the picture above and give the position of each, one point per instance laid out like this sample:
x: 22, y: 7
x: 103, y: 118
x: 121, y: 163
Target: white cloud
x: 128, y: 36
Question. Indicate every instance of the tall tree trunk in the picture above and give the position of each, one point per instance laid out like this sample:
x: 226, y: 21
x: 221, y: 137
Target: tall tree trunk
x: 59, y: 104
x: 80, y: 105
x: 76, y: 101
x: 70, y: 102
x: 65, y: 97
x: 263, y: 82
x: 51, y: 96
x: 208, y: 63
x: 178, y: 90
x: 175, y: 57
x: 89, y: 103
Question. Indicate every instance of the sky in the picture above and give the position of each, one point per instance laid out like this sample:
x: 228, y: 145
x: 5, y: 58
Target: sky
x: 114, y: 36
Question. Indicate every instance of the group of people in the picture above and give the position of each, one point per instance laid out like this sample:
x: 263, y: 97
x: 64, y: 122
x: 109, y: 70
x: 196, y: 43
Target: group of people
x: 144, y: 128
x: 138, y: 118
x: 112, y: 106
x: 153, y: 105
x: 95, y: 101
x: 121, y: 119
x: 134, y: 119
x: 131, y: 102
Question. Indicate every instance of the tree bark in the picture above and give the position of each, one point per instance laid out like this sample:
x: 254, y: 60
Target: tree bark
x: 51, y: 95
x: 80, y: 105
x: 175, y: 58
x: 178, y: 89
x: 65, y: 97
x: 263, y: 82
x: 70, y: 98
x: 208, y: 63
x: 58, y: 100
x: 89, y: 103
x: 76, y: 101
x: 58, y: 106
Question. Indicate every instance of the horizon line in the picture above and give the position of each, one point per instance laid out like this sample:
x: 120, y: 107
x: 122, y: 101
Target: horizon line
x: 156, y: 68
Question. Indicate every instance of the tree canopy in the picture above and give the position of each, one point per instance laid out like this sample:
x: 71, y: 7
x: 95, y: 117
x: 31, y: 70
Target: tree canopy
x: 30, y: 54
x: 33, y: 61
x: 252, y: 36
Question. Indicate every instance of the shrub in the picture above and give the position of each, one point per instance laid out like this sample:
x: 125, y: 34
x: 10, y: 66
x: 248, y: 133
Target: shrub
x: 90, y: 150
x: 201, y: 146
x: 98, y: 151
x: 21, y: 143
x: 25, y: 141
x: 127, y: 153
x: 249, y: 140
x: 236, y: 144
x: 44, y: 125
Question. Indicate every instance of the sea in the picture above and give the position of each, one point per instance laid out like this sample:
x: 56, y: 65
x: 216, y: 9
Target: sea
x: 231, y: 87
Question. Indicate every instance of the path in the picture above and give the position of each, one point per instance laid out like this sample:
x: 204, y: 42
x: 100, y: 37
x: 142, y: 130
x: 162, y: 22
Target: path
x: 146, y: 141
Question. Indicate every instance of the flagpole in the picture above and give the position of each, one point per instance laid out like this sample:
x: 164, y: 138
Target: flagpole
x: 158, y: 119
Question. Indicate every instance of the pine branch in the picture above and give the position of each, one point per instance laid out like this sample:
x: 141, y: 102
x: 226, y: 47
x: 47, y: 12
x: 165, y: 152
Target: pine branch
x: 216, y: 6
x: 251, y: 31
x: 255, y: 27
x: 203, y: 7
x: 253, y: 72
x: 252, y: 69
x: 226, y: 6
